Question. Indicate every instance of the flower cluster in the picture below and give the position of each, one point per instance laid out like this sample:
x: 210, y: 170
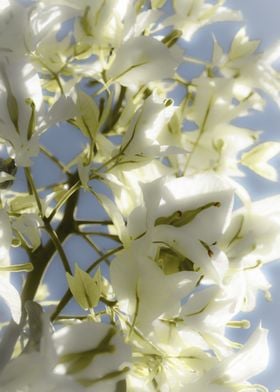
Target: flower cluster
x: 156, y: 156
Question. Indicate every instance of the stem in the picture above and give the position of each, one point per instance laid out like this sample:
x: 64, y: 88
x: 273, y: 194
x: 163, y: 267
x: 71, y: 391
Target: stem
x: 100, y: 234
x: 94, y: 247
x: 93, y: 222
x: 58, y: 246
x: 40, y: 258
x: 72, y: 190
x: 201, y: 131
x: 33, y: 190
x: 54, y: 159
x: 116, y: 113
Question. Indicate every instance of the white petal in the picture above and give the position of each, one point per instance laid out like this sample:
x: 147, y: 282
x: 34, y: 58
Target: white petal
x: 11, y: 298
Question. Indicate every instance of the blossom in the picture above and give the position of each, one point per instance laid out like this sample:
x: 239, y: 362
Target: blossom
x: 252, y: 70
x: 141, y: 60
x: 144, y: 292
x: 57, y: 363
x: 192, y: 16
x: 107, y: 355
x: 21, y: 97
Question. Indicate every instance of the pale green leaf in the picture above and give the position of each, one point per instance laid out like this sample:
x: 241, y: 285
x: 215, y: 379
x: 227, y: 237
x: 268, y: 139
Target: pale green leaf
x: 157, y: 3
x: 256, y: 159
x: 17, y: 267
x: 85, y: 289
x: 241, y: 46
x: 89, y: 113
x: 23, y: 203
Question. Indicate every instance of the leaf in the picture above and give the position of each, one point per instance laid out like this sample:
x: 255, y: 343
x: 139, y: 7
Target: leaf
x: 157, y: 3
x: 117, y: 218
x: 89, y: 114
x: 180, y: 218
x: 23, y: 203
x: 85, y: 289
x: 256, y: 159
x: 17, y: 267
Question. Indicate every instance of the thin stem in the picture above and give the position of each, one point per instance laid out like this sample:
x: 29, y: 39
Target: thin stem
x: 52, y: 186
x: 201, y: 131
x: 41, y: 257
x: 94, y: 222
x: 54, y: 159
x: 33, y: 189
x: 116, y: 112
x: 64, y: 199
x: 93, y: 246
x: 58, y: 246
x: 103, y: 257
x: 100, y: 234
x: 47, y: 224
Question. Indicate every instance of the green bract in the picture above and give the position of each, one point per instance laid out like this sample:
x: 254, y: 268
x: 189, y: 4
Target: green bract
x: 85, y: 289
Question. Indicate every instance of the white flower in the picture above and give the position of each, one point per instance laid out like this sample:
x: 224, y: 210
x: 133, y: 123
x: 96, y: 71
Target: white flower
x: 251, y: 70
x: 141, y: 60
x: 21, y: 100
x: 216, y: 143
x: 141, y: 140
x: 5, y: 236
x: 190, y: 16
x: 143, y: 291
x: 179, y: 212
x: 94, y: 354
x: 250, y: 241
x: 11, y: 297
x: 232, y: 373
x: 253, y: 232
x: 126, y: 182
x: 88, y: 355
x: 8, y: 292
x: 34, y: 371
x: 252, y: 359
